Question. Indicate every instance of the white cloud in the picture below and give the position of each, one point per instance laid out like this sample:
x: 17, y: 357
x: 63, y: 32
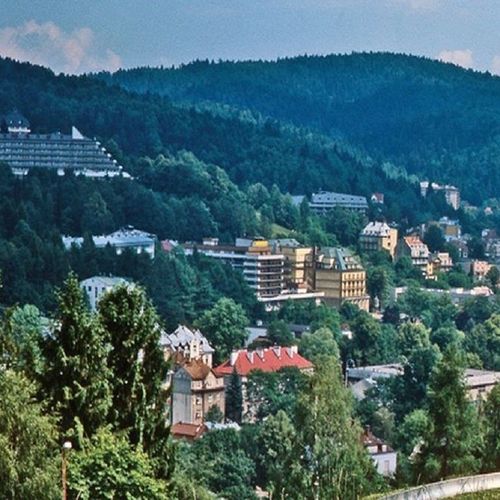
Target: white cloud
x: 495, y: 65
x: 459, y: 57
x: 47, y: 44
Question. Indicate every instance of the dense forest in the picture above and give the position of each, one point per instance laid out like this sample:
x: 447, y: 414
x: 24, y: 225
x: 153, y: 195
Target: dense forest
x: 435, y: 120
x: 196, y: 174
x: 248, y: 149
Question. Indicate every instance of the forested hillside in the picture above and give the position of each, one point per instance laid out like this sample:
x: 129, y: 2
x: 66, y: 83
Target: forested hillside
x: 196, y: 174
x: 434, y: 119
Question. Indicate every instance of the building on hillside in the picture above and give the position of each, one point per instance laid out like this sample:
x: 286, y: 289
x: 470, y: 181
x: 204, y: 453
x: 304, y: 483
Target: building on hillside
x: 451, y: 228
x: 461, y: 246
x: 298, y: 258
x: 479, y: 269
x: 383, y: 456
x: 96, y: 286
x: 414, y: 248
x: 196, y: 388
x: 441, y: 262
x: 188, y: 432
x: 270, y: 359
x: 457, y: 295
x: 190, y: 344
x: 451, y: 193
x: 324, y: 201
x: 377, y: 198
x: 124, y: 239
x: 478, y: 383
x: 261, y: 269
x: 341, y: 277
x: 23, y: 150
x: 377, y: 236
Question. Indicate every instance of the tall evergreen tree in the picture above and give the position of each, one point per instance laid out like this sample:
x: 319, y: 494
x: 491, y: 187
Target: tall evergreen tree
x: 76, y: 380
x: 452, y: 443
x: 138, y: 367
x: 234, y: 398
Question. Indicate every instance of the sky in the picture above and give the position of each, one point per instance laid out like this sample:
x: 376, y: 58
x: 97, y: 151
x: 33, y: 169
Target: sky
x: 77, y: 36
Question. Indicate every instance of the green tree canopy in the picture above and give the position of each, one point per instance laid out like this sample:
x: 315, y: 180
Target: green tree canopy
x: 29, y: 451
x: 224, y: 326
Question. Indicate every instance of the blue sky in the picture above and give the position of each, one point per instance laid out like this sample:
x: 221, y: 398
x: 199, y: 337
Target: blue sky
x: 75, y: 36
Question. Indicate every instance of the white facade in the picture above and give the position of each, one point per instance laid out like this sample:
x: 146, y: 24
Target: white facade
x: 97, y: 286
x: 121, y: 240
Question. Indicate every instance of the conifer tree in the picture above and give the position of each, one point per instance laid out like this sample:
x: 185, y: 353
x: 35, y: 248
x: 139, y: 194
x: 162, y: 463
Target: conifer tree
x: 76, y: 380
x: 234, y: 398
x: 138, y: 367
x: 452, y: 443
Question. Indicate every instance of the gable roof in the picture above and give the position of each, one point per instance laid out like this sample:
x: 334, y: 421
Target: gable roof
x: 182, y: 336
x: 197, y: 369
x: 271, y: 359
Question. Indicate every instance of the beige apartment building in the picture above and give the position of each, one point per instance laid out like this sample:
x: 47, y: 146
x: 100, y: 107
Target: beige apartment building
x: 262, y: 269
x: 298, y: 263
x: 196, y: 388
x: 377, y: 236
x: 417, y: 250
x: 340, y: 275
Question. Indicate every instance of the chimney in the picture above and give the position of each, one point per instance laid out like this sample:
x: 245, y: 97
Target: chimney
x: 234, y: 357
x: 292, y: 350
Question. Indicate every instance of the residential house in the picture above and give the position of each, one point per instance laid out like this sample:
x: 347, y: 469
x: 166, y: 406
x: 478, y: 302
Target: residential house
x: 451, y: 228
x: 196, y: 388
x: 414, y: 248
x: 479, y: 269
x: 96, y: 286
x: 377, y: 198
x: 383, y: 456
x: 188, y: 432
x: 190, y: 344
x: 441, y: 262
x: 341, y: 277
x: 377, y: 236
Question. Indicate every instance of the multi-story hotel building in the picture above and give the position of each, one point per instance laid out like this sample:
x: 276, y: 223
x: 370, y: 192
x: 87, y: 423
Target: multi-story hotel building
x: 341, y: 277
x: 377, y: 236
x: 261, y: 269
x: 23, y: 150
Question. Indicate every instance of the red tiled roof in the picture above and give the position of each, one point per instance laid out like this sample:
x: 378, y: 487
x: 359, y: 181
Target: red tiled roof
x: 187, y: 431
x: 266, y: 360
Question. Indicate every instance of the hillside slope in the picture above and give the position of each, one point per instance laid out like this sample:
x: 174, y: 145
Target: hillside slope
x: 249, y: 151
x: 434, y: 119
